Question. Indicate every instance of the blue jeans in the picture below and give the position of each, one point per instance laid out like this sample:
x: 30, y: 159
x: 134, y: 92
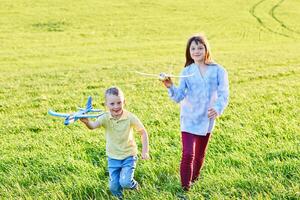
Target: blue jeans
x: 121, y: 174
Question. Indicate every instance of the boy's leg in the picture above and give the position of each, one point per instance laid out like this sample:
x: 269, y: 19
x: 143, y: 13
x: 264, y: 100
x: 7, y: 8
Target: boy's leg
x: 127, y: 173
x: 200, y: 150
x: 114, y: 168
x: 186, y: 165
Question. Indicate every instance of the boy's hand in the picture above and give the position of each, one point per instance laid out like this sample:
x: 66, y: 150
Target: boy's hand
x: 84, y: 120
x: 145, y: 156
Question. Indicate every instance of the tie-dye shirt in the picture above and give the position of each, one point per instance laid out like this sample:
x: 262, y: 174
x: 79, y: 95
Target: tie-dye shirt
x: 197, y: 94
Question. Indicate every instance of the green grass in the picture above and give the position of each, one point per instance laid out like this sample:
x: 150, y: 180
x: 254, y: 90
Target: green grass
x: 53, y: 54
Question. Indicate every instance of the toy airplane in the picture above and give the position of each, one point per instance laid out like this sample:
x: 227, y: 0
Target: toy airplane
x: 163, y: 76
x: 82, y: 113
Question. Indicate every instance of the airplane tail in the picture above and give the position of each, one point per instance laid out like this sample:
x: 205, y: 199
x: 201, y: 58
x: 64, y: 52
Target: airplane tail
x: 89, y: 104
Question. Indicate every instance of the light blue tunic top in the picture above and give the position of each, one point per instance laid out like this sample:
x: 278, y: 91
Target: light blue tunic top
x: 197, y: 94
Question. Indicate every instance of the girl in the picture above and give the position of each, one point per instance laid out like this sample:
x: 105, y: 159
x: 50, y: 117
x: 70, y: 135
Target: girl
x: 203, y: 97
x: 121, y: 148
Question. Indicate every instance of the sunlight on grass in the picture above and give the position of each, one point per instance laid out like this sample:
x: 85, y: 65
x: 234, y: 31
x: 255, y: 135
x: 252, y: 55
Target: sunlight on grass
x: 56, y: 53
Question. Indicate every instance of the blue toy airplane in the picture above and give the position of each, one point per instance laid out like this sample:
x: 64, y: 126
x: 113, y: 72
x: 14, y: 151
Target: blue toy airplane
x: 82, y: 113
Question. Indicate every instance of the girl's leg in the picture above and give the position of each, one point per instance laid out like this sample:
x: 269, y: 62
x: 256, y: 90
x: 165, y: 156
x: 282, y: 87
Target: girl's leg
x: 200, y: 150
x: 127, y: 173
x: 188, y: 153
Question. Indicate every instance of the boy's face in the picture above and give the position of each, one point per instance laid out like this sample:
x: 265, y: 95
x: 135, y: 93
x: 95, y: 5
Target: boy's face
x: 115, y: 104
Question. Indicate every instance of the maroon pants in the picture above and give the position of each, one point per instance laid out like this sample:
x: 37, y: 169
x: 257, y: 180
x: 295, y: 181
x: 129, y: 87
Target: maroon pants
x: 193, y: 154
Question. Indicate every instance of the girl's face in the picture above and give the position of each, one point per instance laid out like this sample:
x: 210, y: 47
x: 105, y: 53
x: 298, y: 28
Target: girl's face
x: 115, y: 104
x: 197, y: 52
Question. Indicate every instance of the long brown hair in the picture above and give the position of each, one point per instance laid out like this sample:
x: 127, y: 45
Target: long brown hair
x: 200, y: 38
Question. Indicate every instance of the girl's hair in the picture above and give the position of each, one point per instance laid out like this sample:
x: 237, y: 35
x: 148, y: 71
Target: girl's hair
x: 114, y: 91
x: 200, y: 38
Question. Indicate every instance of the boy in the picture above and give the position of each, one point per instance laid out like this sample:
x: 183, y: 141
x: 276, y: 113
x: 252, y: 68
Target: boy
x: 121, y: 148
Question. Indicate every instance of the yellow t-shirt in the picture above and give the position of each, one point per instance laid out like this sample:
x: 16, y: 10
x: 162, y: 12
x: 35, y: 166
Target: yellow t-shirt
x: 120, y: 141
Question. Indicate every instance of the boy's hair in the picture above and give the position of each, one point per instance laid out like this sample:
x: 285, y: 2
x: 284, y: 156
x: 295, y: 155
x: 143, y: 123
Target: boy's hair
x: 114, y: 91
x: 200, y: 38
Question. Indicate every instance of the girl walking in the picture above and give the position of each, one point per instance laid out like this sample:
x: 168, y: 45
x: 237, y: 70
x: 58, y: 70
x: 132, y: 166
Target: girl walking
x: 203, y: 97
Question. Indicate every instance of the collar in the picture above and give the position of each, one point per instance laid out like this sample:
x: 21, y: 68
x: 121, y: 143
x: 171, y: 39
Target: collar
x: 124, y: 115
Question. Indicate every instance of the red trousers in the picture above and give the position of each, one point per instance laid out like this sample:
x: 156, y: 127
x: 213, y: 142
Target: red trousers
x: 193, y: 154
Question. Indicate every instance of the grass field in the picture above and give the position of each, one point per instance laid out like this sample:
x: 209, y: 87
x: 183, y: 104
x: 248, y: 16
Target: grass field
x: 53, y: 54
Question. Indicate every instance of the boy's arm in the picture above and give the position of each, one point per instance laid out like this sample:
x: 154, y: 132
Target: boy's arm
x: 139, y: 127
x: 90, y: 124
x: 145, y: 144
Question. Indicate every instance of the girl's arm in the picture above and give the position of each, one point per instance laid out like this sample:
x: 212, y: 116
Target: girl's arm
x: 177, y: 94
x: 222, y: 91
x: 145, y: 144
x: 90, y: 124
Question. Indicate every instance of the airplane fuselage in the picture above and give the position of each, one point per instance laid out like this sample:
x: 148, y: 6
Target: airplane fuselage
x: 72, y: 117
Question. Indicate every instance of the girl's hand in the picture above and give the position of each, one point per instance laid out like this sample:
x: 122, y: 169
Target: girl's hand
x: 167, y: 82
x: 212, y: 113
x: 145, y: 156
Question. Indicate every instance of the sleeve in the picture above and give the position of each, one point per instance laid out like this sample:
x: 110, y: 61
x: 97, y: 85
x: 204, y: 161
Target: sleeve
x: 136, y: 123
x: 177, y: 94
x: 222, y: 91
x: 101, y: 120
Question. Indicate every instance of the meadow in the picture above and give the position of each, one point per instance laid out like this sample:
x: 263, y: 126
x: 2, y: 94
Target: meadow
x: 54, y: 54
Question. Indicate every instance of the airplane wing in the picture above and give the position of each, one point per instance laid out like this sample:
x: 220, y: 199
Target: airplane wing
x: 92, y: 110
x: 88, y: 116
x: 170, y: 75
x: 56, y: 114
x: 163, y: 75
x: 96, y: 110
